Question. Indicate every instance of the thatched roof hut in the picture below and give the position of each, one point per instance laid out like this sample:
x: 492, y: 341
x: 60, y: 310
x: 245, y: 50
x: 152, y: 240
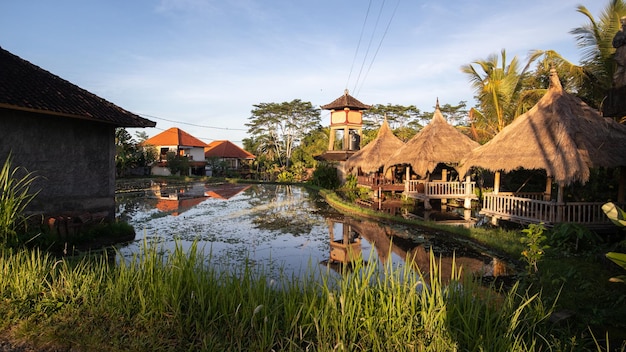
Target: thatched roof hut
x: 560, y: 134
x: 438, y: 142
x: 374, y: 155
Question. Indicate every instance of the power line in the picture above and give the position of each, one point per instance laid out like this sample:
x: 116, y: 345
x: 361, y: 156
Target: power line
x: 380, y: 11
x: 358, y: 46
x: 193, y: 124
x: 379, y: 45
x: 202, y: 138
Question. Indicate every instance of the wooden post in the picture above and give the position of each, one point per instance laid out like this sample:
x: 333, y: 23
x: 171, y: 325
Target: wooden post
x: 547, y: 195
x: 467, y: 203
x: 559, y: 204
x: 496, y: 182
x: 621, y: 189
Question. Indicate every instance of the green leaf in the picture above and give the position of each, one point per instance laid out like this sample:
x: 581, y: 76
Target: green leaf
x: 615, y: 213
x: 617, y: 258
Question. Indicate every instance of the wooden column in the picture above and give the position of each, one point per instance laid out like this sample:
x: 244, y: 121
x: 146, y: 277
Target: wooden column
x: 547, y: 195
x: 467, y: 203
x: 621, y: 189
x: 496, y: 183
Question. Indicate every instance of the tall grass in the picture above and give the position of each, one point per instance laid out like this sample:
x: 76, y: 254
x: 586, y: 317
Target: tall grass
x: 15, y: 195
x: 174, y: 301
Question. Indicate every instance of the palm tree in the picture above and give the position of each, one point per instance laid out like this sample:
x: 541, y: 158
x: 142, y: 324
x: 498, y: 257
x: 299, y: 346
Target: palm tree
x: 497, y: 89
x: 594, y: 76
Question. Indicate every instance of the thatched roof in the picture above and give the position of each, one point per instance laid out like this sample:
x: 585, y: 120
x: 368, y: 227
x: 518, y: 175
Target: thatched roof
x: 560, y: 134
x: 346, y: 101
x: 438, y: 142
x: 375, y: 153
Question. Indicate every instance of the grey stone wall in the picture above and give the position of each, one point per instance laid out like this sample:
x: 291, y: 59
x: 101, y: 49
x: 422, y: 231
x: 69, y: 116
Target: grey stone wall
x: 74, y: 160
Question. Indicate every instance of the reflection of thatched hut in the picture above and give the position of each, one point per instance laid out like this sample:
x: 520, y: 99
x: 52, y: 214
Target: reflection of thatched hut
x: 374, y: 155
x: 437, y: 143
x: 561, y: 135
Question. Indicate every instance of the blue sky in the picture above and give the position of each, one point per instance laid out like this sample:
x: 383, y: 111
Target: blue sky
x: 201, y: 65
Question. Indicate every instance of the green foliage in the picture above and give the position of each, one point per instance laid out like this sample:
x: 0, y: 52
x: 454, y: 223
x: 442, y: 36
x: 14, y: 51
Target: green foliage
x: 178, y: 165
x: 325, y: 176
x: 573, y: 238
x: 277, y: 128
x: 535, y: 249
x: 129, y: 153
x: 285, y: 176
x: 172, y: 301
x: 615, y: 214
x: 15, y: 195
x: 618, y: 216
x: 619, y: 259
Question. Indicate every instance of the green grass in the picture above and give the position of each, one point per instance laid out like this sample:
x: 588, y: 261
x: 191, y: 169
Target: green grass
x: 173, y: 302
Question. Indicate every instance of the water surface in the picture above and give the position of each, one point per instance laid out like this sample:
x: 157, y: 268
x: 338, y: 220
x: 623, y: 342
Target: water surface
x: 285, y: 229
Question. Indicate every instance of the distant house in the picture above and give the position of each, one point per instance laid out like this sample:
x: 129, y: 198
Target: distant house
x: 228, y: 154
x: 62, y: 133
x: 181, y: 143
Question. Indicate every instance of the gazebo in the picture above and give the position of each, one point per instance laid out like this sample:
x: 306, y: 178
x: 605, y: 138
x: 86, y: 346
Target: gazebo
x: 438, y: 146
x: 563, y: 136
x: 368, y: 162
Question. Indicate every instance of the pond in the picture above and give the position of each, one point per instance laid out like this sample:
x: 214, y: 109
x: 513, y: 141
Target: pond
x: 285, y: 229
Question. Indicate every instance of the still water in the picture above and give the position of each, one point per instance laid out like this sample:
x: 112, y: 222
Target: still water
x: 288, y: 230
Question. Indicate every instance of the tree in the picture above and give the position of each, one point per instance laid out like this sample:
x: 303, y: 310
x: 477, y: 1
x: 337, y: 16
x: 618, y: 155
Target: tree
x: 125, y: 151
x: 497, y: 87
x: 402, y: 120
x: 177, y: 164
x: 594, y: 76
x: 279, y: 127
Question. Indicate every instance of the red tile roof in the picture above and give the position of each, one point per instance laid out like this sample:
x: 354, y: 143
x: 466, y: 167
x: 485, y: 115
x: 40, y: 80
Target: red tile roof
x: 346, y: 101
x: 226, y: 149
x: 175, y: 136
x: 26, y: 87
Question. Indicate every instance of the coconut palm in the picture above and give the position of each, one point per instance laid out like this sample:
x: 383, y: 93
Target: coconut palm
x: 593, y: 76
x: 497, y: 87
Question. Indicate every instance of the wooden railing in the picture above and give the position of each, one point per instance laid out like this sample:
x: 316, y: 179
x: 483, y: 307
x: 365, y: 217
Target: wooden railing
x: 512, y: 207
x: 440, y: 189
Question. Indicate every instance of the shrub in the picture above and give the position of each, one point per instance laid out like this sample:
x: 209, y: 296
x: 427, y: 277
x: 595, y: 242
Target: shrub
x: 15, y: 195
x: 325, y: 176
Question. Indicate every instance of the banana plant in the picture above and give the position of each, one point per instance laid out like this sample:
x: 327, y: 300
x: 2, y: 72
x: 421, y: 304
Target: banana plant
x: 618, y: 216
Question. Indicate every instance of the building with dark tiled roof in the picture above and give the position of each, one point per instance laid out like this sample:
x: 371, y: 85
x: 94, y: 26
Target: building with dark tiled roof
x: 62, y: 133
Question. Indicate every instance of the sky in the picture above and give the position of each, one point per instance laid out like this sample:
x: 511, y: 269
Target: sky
x: 202, y: 65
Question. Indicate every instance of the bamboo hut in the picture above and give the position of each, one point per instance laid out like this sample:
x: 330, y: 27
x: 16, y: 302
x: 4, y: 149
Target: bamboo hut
x: 563, y: 136
x: 439, y: 146
x: 368, y: 162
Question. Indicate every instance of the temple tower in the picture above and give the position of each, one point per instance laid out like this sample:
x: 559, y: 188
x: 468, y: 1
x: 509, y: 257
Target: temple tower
x: 346, y: 125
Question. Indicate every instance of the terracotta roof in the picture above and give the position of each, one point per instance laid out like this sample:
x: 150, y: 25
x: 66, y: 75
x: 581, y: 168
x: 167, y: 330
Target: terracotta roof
x: 26, y: 87
x: 226, y: 149
x: 175, y: 136
x: 346, y: 101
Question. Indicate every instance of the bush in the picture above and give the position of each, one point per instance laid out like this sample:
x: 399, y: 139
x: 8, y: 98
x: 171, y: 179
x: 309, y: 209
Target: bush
x: 15, y: 195
x: 325, y: 176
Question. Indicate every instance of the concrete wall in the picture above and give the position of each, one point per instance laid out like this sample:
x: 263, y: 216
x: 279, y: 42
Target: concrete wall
x: 74, y: 159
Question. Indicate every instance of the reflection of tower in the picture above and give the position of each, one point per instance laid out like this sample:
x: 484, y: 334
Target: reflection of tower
x: 347, y: 248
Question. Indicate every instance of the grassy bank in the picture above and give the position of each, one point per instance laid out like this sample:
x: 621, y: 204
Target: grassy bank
x: 173, y: 302
x: 588, y: 304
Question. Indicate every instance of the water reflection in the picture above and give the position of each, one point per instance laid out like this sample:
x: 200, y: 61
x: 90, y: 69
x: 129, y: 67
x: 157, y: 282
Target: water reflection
x: 287, y: 229
x: 401, y: 245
